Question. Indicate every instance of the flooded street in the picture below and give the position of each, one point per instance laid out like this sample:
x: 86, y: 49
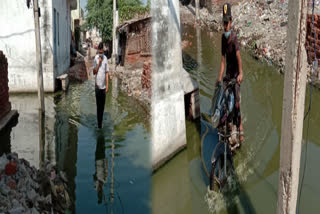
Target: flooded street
x: 108, y: 170
x: 182, y: 185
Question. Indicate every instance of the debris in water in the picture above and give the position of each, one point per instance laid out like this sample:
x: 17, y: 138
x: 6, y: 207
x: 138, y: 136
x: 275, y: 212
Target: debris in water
x: 24, y: 189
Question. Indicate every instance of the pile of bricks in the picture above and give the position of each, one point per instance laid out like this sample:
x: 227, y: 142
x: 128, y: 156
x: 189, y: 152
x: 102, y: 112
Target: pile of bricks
x: 5, y: 105
x: 78, y: 72
x: 146, y: 76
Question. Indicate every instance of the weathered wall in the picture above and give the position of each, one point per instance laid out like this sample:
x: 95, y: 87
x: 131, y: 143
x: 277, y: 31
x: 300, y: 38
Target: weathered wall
x: 17, y: 40
x: 5, y: 105
x: 168, y: 123
x: 63, y: 36
x: 138, y: 43
x: 292, y: 108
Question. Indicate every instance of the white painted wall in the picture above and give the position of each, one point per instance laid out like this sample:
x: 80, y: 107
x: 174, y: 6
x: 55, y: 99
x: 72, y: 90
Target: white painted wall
x: 17, y: 40
x: 167, y: 112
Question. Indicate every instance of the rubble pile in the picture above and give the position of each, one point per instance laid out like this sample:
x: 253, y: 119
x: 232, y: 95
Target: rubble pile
x: 78, y: 72
x: 131, y: 83
x: 24, y: 189
x: 146, y: 76
x: 260, y: 25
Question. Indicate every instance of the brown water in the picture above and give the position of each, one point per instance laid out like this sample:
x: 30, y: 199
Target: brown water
x: 182, y: 186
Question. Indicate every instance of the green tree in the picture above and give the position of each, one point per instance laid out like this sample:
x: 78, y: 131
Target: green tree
x: 99, y: 14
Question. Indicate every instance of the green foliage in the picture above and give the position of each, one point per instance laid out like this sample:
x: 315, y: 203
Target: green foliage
x: 129, y: 8
x: 100, y: 14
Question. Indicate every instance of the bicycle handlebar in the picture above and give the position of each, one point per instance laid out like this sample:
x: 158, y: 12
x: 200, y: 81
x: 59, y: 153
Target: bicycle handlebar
x: 233, y: 133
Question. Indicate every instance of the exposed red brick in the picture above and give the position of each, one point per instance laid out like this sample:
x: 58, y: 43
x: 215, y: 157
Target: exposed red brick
x: 11, y: 168
x: 138, y: 44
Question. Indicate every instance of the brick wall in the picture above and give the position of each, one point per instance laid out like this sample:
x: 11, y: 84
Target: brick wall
x: 138, y: 43
x: 5, y: 105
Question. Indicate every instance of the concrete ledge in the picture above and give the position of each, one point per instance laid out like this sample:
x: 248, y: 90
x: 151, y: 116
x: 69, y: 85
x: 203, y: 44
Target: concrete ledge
x: 63, y: 81
x: 12, y: 115
x: 188, y: 84
x: 192, y: 95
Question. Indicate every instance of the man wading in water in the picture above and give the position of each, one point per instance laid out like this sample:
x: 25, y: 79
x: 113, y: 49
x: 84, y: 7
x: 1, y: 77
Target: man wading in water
x: 100, y: 69
x: 230, y: 52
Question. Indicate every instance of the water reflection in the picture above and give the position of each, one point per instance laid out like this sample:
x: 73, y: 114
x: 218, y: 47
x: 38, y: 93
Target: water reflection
x: 108, y: 170
x: 32, y: 138
x: 42, y: 138
x: 101, y: 165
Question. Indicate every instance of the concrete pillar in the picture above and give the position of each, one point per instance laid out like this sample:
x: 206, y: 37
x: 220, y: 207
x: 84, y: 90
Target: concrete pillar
x: 38, y: 55
x: 167, y: 110
x: 293, y: 107
x: 197, y: 10
x: 114, y: 33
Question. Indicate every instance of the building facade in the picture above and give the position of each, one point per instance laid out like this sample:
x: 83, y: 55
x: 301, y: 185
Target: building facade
x: 134, y: 37
x: 17, y: 40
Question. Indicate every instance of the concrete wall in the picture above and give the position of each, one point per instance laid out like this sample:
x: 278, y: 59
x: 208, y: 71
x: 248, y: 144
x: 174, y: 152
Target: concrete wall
x: 64, y: 40
x: 5, y: 105
x: 167, y: 112
x: 17, y: 40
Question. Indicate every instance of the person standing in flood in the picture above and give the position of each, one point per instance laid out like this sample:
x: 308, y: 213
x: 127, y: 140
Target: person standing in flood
x: 101, y: 72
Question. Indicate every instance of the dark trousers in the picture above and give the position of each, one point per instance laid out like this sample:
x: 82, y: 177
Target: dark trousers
x: 236, y: 92
x: 100, y: 100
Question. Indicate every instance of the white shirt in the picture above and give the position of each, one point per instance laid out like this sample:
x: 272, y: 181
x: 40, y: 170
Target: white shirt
x: 101, y: 75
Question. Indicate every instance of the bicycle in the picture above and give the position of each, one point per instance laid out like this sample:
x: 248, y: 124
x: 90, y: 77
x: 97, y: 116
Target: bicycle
x: 222, y: 166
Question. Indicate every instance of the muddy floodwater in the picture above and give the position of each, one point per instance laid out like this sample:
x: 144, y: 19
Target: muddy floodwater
x: 108, y: 170
x: 182, y: 185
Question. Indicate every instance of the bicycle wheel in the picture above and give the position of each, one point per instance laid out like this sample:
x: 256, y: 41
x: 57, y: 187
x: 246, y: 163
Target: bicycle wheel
x: 218, y: 177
